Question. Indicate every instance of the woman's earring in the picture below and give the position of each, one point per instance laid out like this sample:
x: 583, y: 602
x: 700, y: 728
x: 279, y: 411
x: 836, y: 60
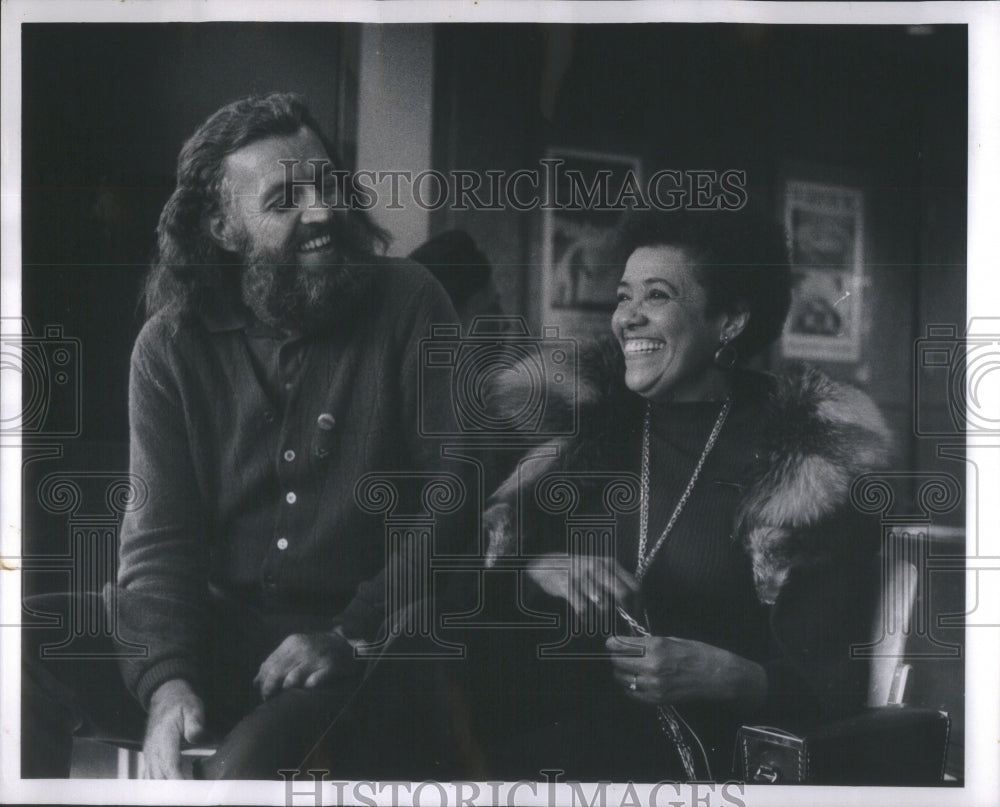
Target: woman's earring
x: 726, y: 355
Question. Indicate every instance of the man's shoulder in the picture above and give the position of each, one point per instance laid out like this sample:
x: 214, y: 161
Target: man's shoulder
x: 167, y: 332
x: 407, y: 295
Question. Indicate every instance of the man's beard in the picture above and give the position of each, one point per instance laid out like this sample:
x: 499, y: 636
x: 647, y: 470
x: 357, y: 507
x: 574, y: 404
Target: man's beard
x: 284, y: 294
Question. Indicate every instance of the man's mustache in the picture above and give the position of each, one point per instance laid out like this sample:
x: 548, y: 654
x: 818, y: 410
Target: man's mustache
x: 347, y: 237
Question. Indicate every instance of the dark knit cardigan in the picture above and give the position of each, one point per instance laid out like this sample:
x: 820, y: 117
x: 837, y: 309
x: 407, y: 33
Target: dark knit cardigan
x: 212, y: 445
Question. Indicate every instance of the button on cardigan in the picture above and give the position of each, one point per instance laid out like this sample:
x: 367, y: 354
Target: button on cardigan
x: 251, y: 469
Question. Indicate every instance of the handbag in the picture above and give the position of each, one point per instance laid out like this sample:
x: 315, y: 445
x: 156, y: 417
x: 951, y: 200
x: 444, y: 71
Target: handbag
x: 888, y: 745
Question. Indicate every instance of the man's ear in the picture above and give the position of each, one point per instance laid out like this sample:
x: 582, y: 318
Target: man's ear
x: 220, y: 230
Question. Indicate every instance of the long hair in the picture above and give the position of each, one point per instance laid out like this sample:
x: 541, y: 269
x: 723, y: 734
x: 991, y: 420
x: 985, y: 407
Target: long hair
x: 188, y: 266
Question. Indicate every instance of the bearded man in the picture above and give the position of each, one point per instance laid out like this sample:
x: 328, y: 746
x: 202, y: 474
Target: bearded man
x: 278, y: 365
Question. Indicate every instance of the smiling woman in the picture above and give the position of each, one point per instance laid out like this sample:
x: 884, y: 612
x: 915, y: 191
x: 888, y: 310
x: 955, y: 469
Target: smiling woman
x: 743, y: 574
x: 667, y: 336
x: 738, y: 260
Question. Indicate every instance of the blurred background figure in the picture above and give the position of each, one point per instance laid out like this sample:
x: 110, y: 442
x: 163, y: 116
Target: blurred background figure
x: 464, y: 271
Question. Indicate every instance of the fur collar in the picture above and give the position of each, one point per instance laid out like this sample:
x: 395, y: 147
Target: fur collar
x: 817, y: 436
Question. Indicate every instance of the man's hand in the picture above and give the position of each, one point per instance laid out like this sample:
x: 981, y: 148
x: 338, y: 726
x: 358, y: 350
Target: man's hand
x: 175, y: 714
x: 305, y: 660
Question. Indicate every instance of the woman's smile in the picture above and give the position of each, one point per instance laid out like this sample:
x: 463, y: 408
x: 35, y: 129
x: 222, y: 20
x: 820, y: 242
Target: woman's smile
x: 636, y: 347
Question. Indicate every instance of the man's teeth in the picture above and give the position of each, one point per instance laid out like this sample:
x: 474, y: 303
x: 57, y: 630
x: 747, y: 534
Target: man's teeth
x: 633, y: 346
x: 316, y: 243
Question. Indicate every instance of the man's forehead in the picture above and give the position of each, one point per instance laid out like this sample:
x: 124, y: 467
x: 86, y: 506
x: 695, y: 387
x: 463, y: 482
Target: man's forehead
x: 262, y: 162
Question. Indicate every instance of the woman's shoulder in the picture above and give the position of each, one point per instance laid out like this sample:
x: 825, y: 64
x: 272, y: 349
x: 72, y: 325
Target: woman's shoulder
x: 846, y: 421
x: 817, y: 437
x: 804, y: 410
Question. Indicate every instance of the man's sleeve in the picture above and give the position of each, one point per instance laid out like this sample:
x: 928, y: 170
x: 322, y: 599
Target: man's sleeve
x: 159, y: 600
x: 366, y: 613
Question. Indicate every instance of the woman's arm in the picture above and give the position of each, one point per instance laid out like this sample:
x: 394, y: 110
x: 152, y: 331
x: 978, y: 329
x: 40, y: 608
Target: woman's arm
x: 577, y: 580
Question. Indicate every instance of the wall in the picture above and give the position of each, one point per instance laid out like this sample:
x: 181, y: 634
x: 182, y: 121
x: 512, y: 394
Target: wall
x: 394, y: 117
x: 870, y: 107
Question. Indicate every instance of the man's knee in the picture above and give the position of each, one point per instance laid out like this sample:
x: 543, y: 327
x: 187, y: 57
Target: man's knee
x: 50, y: 706
x: 70, y: 679
x: 48, y: 680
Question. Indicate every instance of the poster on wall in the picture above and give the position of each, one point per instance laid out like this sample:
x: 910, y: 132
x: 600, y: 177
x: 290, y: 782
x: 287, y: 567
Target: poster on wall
x: 825, y: 229
x: 579, y: 274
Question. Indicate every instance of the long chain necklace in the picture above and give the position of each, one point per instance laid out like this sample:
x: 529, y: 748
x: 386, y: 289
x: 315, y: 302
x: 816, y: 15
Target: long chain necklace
x: 671, y: 721
x: 669, y: 718
x: 645, y: 558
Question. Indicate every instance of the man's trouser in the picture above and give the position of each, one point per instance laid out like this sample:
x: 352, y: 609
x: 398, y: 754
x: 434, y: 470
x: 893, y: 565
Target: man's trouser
x: 63, y: 695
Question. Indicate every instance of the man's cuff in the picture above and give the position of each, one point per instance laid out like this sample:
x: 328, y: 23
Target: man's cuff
x: 160, y: 673
x: 359, y: 621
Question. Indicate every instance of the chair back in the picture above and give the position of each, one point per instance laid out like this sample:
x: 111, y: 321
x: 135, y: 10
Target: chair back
x: 890, y: 630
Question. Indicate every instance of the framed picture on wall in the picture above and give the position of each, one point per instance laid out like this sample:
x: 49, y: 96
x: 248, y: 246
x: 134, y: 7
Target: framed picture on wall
x: 825, y: 228
x: 590, y: 191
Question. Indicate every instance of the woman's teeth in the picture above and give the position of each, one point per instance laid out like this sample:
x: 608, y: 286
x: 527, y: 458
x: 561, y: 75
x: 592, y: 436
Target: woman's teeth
x: 316, y: 243
x: 635, y: 346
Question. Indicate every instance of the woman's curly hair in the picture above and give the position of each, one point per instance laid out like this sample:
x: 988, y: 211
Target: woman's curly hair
x: 188, y: 266
x: 741, y: 260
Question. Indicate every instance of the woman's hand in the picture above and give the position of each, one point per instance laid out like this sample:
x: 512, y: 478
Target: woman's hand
x: 581, y: 579
x: 671, y: 671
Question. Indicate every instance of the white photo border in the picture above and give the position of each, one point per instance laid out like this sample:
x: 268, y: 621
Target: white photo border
x: 983, y: 646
